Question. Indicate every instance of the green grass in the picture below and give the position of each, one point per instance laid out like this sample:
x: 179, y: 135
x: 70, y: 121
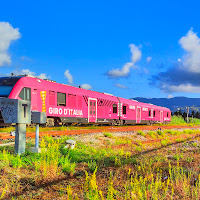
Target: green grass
x: 194, y: 121
x: 106, y: 171
x: 177, y: 120
x: 139, y: 132
x: 107, y: 134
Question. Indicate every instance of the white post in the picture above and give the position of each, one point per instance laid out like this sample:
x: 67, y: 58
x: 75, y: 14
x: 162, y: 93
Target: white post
x: 37, y: 136
x: 187, y: 113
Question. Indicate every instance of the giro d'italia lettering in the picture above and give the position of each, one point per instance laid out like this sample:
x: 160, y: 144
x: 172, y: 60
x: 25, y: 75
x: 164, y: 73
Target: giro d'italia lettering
x: 65, y: 111
x: 144, y: 109
x: 166, y: 118
x: 131, y: 107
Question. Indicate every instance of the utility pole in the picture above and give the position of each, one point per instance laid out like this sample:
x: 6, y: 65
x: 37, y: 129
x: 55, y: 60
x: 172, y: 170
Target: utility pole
x: 187, y: 108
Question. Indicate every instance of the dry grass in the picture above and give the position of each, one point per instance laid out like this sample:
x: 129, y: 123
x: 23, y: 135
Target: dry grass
x: 150, y: 165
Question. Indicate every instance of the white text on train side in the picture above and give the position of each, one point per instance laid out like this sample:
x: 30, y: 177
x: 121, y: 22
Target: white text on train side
x: 132, y: 107
x: 65, y: 111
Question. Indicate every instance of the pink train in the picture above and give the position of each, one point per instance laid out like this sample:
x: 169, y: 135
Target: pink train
x: 65, y: 104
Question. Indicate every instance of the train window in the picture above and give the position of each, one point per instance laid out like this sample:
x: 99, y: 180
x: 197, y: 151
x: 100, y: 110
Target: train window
x: 154, y: 113
x: 61, y: 99
x: 51, y: 98
x: 25, y: 94
x: 114, y: 108
x: 124, y: 110
x: 72, y: 100
x: 167, y: 114
x: 149, y: 113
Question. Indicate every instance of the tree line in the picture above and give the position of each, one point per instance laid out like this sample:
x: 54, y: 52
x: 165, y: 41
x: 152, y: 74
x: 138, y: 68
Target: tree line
x: 184, y: 114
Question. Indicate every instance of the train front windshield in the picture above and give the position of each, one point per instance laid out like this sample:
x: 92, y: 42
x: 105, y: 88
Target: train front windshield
x: 6, y: 85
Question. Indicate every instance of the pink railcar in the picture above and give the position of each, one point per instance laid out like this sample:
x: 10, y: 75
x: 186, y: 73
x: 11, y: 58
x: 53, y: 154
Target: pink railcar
x: 66, y: 104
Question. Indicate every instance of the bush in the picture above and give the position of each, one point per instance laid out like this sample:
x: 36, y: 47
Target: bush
x: 177, y: 120
x: 140, y: 133
x: 107, y: 134
x: 67, y: 166
x: 92, y: 165
x: 152, y: 134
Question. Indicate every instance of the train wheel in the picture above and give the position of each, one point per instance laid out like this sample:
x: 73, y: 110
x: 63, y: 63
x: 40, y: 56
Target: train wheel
x: 50, y: 122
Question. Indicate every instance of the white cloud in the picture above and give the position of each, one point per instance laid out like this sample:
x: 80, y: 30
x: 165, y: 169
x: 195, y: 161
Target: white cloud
x: 121, y: 72
x: 23, y: 72
x: 184, y: 75
x: 191, y: 44
x: 170, y: 96
x: 43, y: 76
x: 149, y: 59
x: 69, y: 77
x: 86, y: 86
x: 28, y: 72
x: 187, y: 88
x: 135, y: 57
x: 7, y: 35
x: 120, y: 86
x: 136, y: 53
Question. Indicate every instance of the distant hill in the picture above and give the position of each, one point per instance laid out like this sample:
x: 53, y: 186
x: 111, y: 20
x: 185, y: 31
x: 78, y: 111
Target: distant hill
x: 173, y: 103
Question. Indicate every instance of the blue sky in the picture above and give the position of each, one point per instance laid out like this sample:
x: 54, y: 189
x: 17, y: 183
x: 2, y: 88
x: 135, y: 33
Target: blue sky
x: 127, y: 48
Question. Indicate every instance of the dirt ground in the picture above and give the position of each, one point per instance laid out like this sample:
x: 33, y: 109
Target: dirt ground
x: 180, y: 145
x: 112, y: 129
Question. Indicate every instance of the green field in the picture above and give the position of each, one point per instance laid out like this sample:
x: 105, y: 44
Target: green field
x: 141, y: 165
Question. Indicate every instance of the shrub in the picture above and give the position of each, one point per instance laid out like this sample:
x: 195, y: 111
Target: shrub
x: 92, y: 165
x: 66, y: 165
x: 5, y: 159
x: 140, y: 132
x: 107, y: 134
x: 138, y: 149
x: 152, y: 134
x: 177, y: 120
x: 164, y: 142
x: 48, y: 162
x: 90, y: 187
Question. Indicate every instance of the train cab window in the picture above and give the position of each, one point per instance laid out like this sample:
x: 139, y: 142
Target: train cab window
x: 114, y: 108
x: 149, y: 113
x: 25, y: 94
x: 124, y: 110
x: 61, y: 99
x: 167, y: 114
x: 154, y: 113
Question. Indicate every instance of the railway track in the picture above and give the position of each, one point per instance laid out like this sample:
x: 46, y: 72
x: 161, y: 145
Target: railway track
x: 54, y: 133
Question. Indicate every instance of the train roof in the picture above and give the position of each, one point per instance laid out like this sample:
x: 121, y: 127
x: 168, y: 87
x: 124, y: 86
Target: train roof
x: 77, y: 89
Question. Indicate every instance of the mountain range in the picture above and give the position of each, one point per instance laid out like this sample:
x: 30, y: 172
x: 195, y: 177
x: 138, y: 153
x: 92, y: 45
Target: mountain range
x: 174, y: 104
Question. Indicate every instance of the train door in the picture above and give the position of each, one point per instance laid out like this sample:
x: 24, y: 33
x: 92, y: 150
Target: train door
x: 161, y: 116
x: 151, y: 113
x: 138, y: 115
x: 34, y: 99
x: 92, y: 110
